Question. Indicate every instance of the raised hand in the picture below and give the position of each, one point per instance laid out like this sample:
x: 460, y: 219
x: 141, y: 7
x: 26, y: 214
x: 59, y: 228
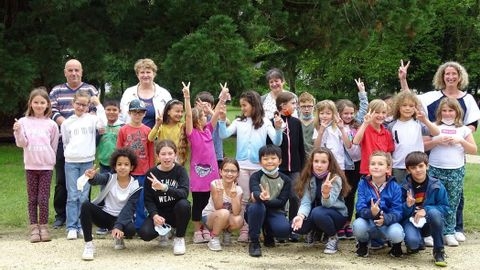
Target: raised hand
x: 327, y: 186
x: 94, y: 100
x: 186, y: 90
x: 420, y: 114
x: 156, y: 185
x: 368, y: 117
x: 219, y: 187
x: 360, y: 85
x: 410, y: 199
x: 375, y: 207
x: 402, y: 70
x: 277, y: 121
x: 16, y: 125
x: 265, y: 194
x: 158, y: 118
x: 90, y: 173
x: 224, y: 93
x: 233, y: 191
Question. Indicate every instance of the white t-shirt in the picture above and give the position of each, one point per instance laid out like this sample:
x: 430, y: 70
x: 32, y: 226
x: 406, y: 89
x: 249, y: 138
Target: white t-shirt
x: 451, y: 156
x: 408, y: 137
x: 227, y: 201
x: 332, y: 139
x: 117, y: 198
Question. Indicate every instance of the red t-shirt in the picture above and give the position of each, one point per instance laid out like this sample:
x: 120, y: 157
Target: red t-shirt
x: 136, y: 138
x: 372, y: 141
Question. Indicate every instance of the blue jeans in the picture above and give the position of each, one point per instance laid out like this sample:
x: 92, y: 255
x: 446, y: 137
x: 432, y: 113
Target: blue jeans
x: 413, y: 236
x: 75, y: 198
x: 273, y: 221
x: 327, y: 220
x: 364, y: 230
x: 140, y: 215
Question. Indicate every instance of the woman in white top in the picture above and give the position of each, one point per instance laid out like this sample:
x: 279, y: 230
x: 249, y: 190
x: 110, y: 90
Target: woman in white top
x: 154, y: 96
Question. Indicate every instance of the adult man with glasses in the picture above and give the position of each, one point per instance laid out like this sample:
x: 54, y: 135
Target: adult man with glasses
x: 61, y: 97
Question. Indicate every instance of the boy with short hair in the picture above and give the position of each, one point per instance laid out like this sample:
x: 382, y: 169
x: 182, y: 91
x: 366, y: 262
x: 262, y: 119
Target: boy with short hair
x: 307, y: 106
x: 107, y: 141
x: 270, y: 191
x: 425, y: 204
x: 107, y: 136
x: 135, y: 136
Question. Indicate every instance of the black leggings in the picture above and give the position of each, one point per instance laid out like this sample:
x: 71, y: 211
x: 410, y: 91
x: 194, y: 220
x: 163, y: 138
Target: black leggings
x: 353, y: 177
x: 177, y: 217
x: 200, y: 200
x: 93, y: 214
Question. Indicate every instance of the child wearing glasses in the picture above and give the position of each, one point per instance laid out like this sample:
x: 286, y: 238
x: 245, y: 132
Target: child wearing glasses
x: 79, y: 133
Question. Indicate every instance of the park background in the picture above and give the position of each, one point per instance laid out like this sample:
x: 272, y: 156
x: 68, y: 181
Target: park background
x: 321, y: 45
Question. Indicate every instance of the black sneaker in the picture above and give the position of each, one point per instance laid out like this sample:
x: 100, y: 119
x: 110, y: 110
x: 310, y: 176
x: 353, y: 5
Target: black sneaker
x: 269, y: 241
x: 396, y: 250
x: 439, y: 257
x: 294, y: 237
x: 58, y: 223
x: 254, y: 249
x: 362, y: 249
x: 412, y: 251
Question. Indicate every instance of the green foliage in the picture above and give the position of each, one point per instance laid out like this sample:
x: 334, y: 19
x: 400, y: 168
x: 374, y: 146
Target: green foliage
x: 215, y: 49
x: 320, y: 45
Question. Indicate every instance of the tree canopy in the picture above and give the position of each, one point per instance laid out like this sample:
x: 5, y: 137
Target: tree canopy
x: 320, y: 45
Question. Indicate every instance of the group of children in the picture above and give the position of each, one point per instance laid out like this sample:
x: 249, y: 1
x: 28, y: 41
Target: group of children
x: 317, y: 163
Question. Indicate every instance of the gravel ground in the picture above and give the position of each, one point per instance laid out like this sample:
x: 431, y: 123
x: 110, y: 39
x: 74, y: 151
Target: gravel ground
x: 18, y: 253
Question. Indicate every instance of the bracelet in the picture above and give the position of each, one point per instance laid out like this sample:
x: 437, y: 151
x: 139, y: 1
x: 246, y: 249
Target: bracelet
x: 166, y: 189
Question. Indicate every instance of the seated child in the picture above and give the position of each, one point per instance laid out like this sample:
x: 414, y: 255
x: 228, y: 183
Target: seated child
x: 270, y: 190
x: 425, y: 200
x: 223, y: 211
x: 119, y: 198
x: 379, y: 206
x: 166, y: 195
x: 322, y: 186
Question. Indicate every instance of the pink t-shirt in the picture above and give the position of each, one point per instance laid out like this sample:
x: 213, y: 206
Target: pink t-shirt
x: 203, y: 161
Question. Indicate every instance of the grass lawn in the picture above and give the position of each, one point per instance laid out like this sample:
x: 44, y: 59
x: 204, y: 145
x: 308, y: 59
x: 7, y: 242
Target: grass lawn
x: 14, y: 203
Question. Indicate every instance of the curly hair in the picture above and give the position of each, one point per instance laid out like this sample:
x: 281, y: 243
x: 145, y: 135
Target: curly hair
x: 123, y: 152
x: 439, y: 82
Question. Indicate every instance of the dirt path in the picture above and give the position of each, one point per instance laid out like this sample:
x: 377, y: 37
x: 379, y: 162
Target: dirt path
x: 18, y: 253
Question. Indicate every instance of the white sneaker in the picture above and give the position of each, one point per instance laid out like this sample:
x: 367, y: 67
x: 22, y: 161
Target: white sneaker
x: 460, y: 236
x: 88, y: 251
x: 178, y: 246
x: 80, y: 233
x: 450, y: 240
x: 118, y: 243
x: 72, y: 234
x: 214, y: 244
x: 163, y: 240
x: 428, y: 241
